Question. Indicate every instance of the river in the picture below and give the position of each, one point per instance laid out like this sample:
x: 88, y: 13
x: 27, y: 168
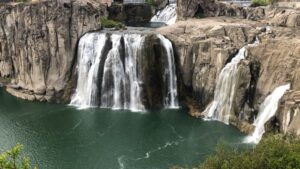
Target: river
x: 62, y: 137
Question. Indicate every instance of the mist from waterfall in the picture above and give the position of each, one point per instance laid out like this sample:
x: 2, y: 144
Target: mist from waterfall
x: 225, y: 91
x: 167, y: 15
x: 109, y: 75
x: 267, y: 110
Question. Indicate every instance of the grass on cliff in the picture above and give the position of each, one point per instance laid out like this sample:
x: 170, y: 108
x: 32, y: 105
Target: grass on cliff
x: 273, y: 152
x: 12, y: 159
x: 107, y: 23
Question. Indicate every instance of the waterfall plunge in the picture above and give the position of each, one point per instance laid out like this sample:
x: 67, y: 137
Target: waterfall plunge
x: 111, y: 79
x: 170, y: 78
x: 167, y: 15
x: 267, y: 110
x: 88, y: 66
x: 221, y: 107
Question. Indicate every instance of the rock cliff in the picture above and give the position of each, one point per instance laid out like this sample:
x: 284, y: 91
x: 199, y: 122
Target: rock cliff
x: 205, y: 46
x: 38, y: 43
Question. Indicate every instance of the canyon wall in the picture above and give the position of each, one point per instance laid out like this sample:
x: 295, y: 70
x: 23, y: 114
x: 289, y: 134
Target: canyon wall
x: 38, y: 44
x: 205, y: 46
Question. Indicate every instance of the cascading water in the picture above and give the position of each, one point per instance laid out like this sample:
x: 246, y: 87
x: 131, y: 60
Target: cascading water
x: 90, y: 50
x: 170, y: 78
x: 267, y: 110
x: 221, y: 107
x: 167, y: 15
x: 113, y: 83
x: 133, y: 47
x: 109, y: 75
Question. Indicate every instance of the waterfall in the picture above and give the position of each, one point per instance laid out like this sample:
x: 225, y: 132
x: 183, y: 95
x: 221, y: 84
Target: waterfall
x: 88, y: 66
x: 169, y: 77
x: 113, y: 84
x: 222, y: 106
x: 109, y: 75
x: 167, y: 15
x: 133, y: 46
x: 267, y: 110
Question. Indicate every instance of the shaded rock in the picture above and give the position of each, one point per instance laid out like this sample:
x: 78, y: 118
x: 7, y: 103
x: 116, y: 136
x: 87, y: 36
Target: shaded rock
x: 130, y: 12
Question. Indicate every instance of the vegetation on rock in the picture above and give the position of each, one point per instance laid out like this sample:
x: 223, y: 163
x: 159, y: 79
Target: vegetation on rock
x: 150, y: 2
x: 12, y: 159
x: 256, y: 3
x: 107, y: 23
x: 280, y: 152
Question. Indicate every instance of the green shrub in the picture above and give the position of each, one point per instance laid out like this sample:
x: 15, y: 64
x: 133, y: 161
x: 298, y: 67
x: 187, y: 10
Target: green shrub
x: 21, y: 0
x: 256, y: 3
x: 273, y: 152
x: 12, y: 159
x: 107, y: 23
x: 151, y: 2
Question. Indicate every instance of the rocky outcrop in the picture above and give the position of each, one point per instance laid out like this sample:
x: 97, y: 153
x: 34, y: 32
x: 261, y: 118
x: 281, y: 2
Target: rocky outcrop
x: 208, y: 8
x: 38, y: 44
x: 270, y: 15
x: 130, y: 12
x: 288, y: 113
x: 204, y: 46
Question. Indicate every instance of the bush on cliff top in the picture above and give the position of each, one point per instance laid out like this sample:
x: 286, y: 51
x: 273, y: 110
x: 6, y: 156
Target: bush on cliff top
x: 107, y: 23
x: 12, y: 159
x: 256, y: 3
x: 278, y: 152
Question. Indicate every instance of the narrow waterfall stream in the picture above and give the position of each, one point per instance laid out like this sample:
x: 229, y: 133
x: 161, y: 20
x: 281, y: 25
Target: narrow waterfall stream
x: 110, y: 72
x: 170, y: 78
x: 267, y: 110
x: 167, y: 15
x: 221, y: 107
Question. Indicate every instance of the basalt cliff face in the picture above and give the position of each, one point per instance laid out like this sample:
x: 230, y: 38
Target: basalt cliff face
x: 38, y: 44
x: 205, y: 46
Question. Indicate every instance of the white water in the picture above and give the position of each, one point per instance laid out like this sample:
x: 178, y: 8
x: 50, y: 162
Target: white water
x: 167, y: 15
x: 133, y: 47
x: 170, y: 78
x: 88, y: 67
x: 113, y: 83
x: 118, y: 86
x: 121, y: 86
x: 267, y: 110
x: 222, y: 106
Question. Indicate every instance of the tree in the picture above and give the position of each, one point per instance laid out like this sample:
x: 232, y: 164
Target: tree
x: 12, y: 159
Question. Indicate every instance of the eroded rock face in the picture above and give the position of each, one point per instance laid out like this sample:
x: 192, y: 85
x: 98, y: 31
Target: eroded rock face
x: 38, y: 43
x: 130, y: 12
x: 207, y: 8
x: 203, y: 48
x: 288, y: 113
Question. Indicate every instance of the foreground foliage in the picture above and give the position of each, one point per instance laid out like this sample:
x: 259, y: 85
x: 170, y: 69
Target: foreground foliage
x: 273, y: 152
x: 12, y: 159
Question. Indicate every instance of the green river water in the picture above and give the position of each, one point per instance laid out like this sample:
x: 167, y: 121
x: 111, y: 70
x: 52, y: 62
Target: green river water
x: 63, y: 137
